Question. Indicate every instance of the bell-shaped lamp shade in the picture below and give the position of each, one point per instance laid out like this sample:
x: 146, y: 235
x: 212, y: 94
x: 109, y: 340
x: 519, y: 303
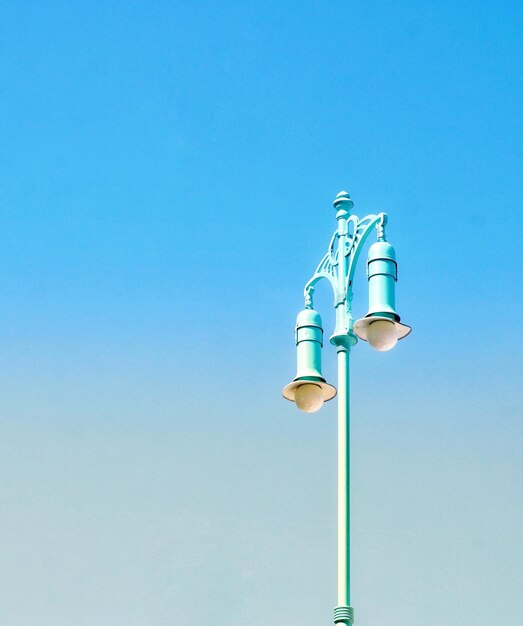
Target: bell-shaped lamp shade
x: 309, y: 389
x: 381, y: 326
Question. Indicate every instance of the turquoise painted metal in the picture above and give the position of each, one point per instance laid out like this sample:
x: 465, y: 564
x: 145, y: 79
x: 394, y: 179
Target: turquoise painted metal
x: 309, y: 342
x: 338, y: 267
x: 382, y: 274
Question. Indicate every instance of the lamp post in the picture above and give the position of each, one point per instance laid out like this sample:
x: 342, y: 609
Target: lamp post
x: 381, y: 328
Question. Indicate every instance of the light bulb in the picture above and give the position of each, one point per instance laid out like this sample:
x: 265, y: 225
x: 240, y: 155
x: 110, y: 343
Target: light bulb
x: 382, y: 335
x: 309, y: 397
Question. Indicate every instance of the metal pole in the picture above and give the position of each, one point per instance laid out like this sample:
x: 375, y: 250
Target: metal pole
x: 343, y: 613
x: 343, y: 477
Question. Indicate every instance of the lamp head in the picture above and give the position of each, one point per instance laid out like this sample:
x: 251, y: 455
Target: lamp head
x: 381, y: 326
x: 309, y: 389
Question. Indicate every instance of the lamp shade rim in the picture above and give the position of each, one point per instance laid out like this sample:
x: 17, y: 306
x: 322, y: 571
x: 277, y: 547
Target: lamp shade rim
x: 328, y: 391
x: 361, y: 326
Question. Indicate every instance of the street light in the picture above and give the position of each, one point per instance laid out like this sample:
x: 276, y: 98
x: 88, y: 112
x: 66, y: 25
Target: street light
x: 381, y: 328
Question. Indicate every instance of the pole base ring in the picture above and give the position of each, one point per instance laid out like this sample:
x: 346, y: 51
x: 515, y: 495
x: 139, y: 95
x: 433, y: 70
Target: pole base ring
x: 344, y: 614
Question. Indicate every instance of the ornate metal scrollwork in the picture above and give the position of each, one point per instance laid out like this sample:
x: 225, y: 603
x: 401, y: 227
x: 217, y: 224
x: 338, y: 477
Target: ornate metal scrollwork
x: 354, y: 234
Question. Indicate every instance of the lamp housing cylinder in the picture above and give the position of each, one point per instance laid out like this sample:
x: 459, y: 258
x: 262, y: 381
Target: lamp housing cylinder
x: 382, y: 273
x: 309, y: 342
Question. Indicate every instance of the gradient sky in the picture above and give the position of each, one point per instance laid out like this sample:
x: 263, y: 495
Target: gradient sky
x: 166, y: 180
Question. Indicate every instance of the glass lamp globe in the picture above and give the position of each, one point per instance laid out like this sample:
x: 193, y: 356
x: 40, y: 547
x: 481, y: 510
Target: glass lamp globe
x: 309, y: 398
x: 382, y: 335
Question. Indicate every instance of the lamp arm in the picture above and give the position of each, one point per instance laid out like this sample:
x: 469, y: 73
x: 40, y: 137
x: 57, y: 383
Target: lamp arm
x: 328, y: 267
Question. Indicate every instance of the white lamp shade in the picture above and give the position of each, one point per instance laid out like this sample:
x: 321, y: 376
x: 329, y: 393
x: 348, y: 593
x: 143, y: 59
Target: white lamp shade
x: 361, y: 327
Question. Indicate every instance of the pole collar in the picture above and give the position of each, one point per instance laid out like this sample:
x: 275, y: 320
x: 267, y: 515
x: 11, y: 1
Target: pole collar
x: 344, y: 614
x: 343, y: 340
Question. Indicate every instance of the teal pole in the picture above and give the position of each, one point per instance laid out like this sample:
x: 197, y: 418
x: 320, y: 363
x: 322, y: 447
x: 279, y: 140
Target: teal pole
x: 343, y: 339
x: 309, y: 389
x: 343, y: 612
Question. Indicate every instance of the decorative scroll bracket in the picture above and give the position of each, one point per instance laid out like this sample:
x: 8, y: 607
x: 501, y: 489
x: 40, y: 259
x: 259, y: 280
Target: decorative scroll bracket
x: 348, y: 240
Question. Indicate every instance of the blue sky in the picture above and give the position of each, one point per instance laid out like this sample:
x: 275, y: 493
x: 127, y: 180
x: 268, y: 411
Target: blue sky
x: 166, y: 180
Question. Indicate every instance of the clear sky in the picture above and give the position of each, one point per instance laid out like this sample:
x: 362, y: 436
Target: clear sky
x: 166, y: 177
